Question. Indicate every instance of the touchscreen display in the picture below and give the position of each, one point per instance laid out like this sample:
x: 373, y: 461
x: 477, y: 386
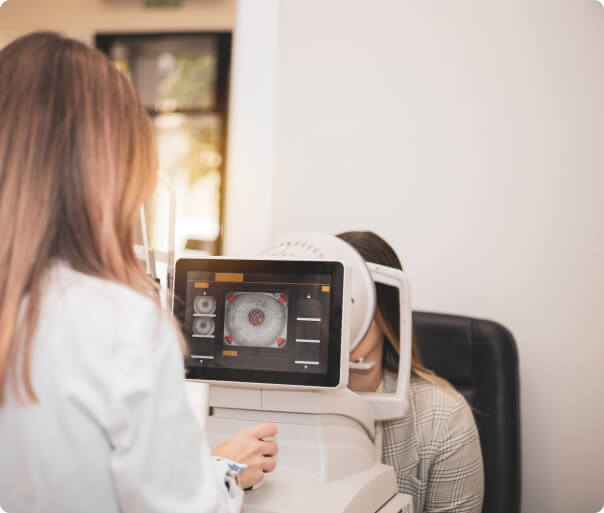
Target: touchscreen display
x: 261, y: 321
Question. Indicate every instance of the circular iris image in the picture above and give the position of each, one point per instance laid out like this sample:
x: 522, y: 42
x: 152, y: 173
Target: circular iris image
x: 203, y: 326
x: 256, y: 319
x: 204, y: 305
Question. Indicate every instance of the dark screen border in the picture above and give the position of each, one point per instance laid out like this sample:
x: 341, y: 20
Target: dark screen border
x: 329, y: 379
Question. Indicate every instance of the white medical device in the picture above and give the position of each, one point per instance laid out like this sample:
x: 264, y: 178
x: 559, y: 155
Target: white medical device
x: 362, y: 304
x: 272, y: 336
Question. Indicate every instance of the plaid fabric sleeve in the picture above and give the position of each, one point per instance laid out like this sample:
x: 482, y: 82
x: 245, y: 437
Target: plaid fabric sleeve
x: 456, y: 479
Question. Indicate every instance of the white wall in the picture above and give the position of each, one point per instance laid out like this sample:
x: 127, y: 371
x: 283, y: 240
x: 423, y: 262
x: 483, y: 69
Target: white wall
x: 468, y: 134
x: 82, y: 18
x: 252, y: 128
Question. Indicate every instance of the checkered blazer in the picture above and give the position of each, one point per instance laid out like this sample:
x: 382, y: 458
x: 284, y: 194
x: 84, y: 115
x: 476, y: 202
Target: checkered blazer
x: 435, y: 449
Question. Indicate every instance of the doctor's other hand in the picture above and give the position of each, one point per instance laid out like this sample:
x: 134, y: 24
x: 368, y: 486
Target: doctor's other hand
x: 250, y: 447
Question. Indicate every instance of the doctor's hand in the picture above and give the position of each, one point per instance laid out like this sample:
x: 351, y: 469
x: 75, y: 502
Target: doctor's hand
x: 249, y: 447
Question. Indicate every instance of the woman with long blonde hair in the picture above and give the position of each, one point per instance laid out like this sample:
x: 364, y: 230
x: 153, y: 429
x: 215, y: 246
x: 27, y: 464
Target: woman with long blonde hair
x: 93, y: 414
x: 434, y: 448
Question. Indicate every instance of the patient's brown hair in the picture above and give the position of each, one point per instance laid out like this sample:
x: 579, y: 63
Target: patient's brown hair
x: 77, y: 159
x: 376, y: 250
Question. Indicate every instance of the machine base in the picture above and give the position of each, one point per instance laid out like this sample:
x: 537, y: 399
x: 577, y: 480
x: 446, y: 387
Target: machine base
x: 373, y: 490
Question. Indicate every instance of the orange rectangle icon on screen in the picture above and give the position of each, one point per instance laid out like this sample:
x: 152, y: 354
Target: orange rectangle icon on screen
x: 237, y: 277
x: 325, y: 288
x: 202, y: 285
x: 229, y: 353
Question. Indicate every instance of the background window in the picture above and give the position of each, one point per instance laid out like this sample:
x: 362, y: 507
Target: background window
x: 182, y: 80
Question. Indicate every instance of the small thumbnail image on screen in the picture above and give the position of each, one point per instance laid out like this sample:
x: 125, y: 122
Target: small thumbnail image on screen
x: 204, y: 313
x: 256, y: 319
x: 204, y: 305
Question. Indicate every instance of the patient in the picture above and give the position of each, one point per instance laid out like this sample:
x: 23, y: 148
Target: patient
x: 434, y: 449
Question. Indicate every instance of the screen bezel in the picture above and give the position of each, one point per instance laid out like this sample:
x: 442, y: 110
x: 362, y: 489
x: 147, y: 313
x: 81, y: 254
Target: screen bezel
x: 330, y: 379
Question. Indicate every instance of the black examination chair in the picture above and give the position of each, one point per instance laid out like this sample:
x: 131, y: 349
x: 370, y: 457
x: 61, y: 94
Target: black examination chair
x: 480, y: 359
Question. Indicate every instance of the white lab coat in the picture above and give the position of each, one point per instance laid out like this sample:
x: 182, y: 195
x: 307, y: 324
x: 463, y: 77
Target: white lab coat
x: 112, y: 431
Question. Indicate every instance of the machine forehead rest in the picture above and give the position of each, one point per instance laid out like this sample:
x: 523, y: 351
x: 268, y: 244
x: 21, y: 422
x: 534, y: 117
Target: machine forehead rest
x: 322, y: 245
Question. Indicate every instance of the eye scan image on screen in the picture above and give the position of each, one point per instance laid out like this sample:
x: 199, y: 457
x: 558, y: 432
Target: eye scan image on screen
x: 258, y: 324
x: 256, y: 319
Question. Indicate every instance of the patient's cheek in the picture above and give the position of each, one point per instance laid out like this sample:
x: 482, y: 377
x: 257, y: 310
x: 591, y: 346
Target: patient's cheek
x: 369, y: 343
